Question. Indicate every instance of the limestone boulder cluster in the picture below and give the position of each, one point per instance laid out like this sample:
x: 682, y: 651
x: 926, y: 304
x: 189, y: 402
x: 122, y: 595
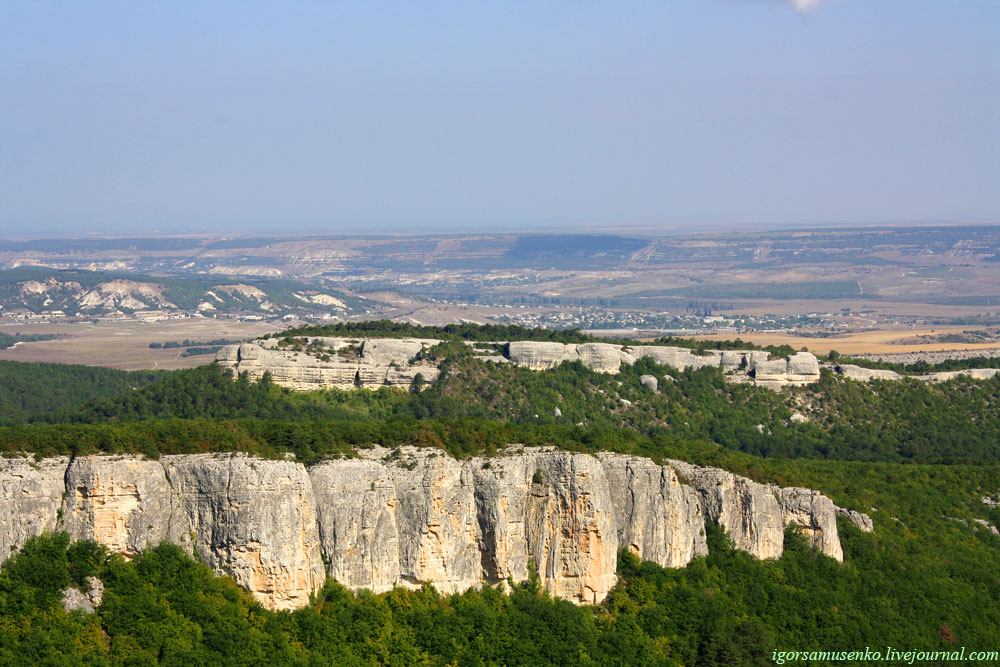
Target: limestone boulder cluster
x: 343, y: 363
x: 405, y: 517
x: 73, y: 599
x: 741, y: 365
x: 351, y: 363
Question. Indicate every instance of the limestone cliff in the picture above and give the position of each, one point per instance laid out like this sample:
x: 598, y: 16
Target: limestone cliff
x: 356, y: 506
x: 124, y: 502
x: 252, y: 519
x: 320, y: 364
x: 754, y: 515
x: 352, y: 363
x: 659, y: 519
x: 408, y: 516
x: 30, y: 496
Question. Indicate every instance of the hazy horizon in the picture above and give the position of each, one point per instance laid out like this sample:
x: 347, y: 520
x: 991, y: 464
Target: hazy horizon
x: 397, y: 118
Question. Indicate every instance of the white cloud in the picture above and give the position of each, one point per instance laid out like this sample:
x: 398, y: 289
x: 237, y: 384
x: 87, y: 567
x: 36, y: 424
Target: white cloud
x: 806, y: 6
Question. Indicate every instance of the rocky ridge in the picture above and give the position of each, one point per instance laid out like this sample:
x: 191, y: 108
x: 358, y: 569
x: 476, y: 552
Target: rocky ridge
x: 351, y: 363
x: 340, y: 363
x: 335, y: 362
x: 408, y: 516
x: 862, y: 374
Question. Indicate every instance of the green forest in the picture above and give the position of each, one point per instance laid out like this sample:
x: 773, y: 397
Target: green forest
x: 918, y: 457
x: 921, y: 580
x: 903, y: 421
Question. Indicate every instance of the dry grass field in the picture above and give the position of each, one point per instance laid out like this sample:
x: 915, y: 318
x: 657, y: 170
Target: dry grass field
x: 125, y: 345
x: 866, y: 341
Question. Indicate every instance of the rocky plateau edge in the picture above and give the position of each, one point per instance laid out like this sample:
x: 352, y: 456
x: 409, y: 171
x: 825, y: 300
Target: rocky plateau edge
x: 408, y: 516
x: 397, y: 362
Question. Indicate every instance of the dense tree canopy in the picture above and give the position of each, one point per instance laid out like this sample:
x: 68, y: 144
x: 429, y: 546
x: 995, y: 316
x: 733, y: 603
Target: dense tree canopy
x: 918, y: 457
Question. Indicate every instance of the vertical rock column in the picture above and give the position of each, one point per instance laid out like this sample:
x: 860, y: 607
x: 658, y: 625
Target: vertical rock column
x: 659, y: 519
x: 123, y: 502
x: 252, y: 519
x: 571, y: 528
x: 356, y: 505
x: 30, y: 496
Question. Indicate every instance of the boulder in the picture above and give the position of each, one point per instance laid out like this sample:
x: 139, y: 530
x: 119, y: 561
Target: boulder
x: 73, y: 599
x: 803, y: 367
x: 862, y: 521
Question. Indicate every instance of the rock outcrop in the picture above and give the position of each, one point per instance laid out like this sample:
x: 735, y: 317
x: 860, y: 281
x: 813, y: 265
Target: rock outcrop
x: 356, y: 507
x: 123, y: 502
x: 320, y: 362
x: 798, y: 369
x: 862, y: 521
x: 862, y: 374
x: 252, y: 519
x: 30, y: 498
x: 406, y: 517
x: 73, y: 599
x: 740, y: 365
x: 351, y: 363
x: 659, y: 519
x: 815, y: 515
x: 747, y: 511
x: 754, y: 515
x: 974, y: 373
x: 570, y: 526
x: 381, y: 362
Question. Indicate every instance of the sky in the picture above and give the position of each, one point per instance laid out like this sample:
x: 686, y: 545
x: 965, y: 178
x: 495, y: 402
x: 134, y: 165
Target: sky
x: 437, y: 116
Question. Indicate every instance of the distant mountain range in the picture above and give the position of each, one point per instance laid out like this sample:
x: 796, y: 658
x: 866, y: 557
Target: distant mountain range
x: 72, y: 292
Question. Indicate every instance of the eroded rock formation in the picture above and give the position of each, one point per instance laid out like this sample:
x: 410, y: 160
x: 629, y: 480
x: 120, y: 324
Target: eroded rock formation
x: 347, y: 363
x: 408, y: 516
x: 333, y: 362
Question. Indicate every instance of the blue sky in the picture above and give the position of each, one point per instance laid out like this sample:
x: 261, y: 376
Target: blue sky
x: 136, y: 117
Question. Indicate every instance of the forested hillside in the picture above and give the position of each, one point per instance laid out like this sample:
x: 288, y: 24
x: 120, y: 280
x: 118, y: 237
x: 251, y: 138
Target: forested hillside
x: 951, y: 422
x: 925, y: 579
x: 919, y: 458
x: 30, y: 388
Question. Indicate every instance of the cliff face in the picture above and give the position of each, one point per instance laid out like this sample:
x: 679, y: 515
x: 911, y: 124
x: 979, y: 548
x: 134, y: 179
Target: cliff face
x: 252, y: 519
x: 658, y: 518
x: 387, y: 362
x: 381, y: 362
x: 407, y: 516
x: 30, y: 496
x: 376, y: 362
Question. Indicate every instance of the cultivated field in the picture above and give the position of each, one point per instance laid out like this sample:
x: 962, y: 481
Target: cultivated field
x: 125, y: 345
x: 874, y: 342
